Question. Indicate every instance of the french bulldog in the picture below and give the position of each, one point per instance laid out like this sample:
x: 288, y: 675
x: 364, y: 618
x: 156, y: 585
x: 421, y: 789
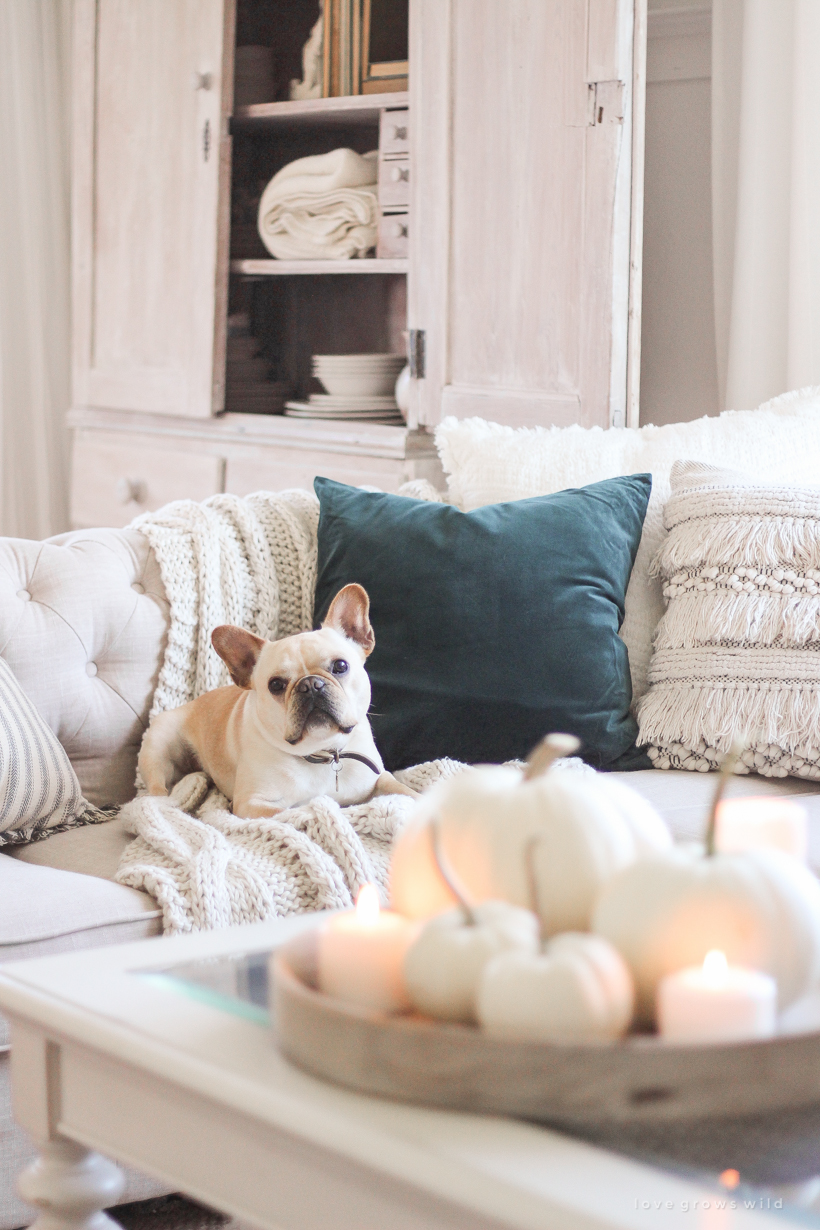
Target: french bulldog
x: 292, y: 725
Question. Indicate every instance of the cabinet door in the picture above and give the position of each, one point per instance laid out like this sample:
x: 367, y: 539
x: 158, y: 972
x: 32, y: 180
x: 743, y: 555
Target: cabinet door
x: 521, y: 146
x: 150, y: 171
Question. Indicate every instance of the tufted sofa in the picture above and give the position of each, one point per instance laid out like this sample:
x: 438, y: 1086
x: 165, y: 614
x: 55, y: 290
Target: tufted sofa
x: 83, y: 622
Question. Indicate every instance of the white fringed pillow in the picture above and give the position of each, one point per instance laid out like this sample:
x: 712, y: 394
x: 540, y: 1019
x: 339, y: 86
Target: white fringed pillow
x: 737, y: 653
x: 39, y: 790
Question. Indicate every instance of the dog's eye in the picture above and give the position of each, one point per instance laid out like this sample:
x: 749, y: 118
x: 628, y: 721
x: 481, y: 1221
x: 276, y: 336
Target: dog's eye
x: 277, y: 686
x: 340, y: 667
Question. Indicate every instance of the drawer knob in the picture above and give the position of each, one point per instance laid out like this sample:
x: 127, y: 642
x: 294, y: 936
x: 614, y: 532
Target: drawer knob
x: 398, y: 230
x: 131, y: 490
x: 400, y: 173
x: 203, y: 81
x: 399, y: 134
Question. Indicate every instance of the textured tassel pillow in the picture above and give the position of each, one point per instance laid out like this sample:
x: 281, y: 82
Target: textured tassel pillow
x: 738, y: 651
x: 39, y: 791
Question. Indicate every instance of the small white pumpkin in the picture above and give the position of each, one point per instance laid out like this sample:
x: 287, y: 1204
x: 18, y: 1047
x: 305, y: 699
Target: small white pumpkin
x: 503, y: 828
x: 759, y: 907
x: 579, y: 989
x: 443, y: 967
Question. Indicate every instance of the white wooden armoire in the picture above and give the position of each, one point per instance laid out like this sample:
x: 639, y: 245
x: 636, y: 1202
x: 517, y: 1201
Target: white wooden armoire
x: 521, y: 288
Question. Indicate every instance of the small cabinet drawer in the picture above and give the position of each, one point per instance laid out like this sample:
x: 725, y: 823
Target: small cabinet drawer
x: 394, y: 182
x: 394, y: 235
x: 116, y: 477
x: 394, y: 132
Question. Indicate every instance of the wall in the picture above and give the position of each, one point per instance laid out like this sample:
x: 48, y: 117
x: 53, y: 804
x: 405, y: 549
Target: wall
x: 678, y: 365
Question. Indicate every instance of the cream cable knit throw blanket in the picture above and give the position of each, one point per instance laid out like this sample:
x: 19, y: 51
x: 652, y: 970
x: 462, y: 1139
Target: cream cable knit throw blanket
x: 209, y: 869
x: 250, y: 562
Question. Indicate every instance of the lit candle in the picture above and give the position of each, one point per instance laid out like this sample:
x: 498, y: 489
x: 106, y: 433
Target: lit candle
x: 361, y: 955
x: 716, y: 1002
x: 754, y: 824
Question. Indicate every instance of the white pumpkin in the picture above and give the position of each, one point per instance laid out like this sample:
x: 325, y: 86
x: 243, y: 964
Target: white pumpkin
x: 559, y: 836
x: 760, y: 907
x: 579, y: 989
x: 443, y: 967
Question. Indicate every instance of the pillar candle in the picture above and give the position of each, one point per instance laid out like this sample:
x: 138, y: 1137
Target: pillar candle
x: 757, y: 823
x: 716, y: 1002
x: 361, y: 955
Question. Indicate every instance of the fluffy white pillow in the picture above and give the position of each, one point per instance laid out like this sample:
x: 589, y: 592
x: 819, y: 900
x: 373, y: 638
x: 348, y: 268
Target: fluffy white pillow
x: 39, y: 790
x: 486, y: 463
x: 737, y: 653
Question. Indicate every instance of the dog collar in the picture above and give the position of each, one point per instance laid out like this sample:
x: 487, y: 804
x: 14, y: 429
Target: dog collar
x: 334, y: 758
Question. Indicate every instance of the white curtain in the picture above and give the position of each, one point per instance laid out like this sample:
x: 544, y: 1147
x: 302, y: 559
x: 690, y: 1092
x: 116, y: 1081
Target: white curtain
x: 34, y: 266
x: 766, y: 197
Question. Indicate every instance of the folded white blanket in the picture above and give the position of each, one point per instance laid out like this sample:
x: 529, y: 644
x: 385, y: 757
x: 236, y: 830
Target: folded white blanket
x: 322, y: 207
x: 320, y: 173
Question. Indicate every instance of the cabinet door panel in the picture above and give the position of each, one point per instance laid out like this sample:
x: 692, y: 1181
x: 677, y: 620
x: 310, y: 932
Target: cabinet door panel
x: 150, y: 177
x: 521, y: 144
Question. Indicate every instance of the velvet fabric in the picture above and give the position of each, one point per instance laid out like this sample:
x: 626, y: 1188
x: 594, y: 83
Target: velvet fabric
x: 493, y: 627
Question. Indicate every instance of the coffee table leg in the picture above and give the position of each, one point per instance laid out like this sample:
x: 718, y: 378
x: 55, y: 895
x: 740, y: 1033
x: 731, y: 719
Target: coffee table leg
x: 70, y: 1186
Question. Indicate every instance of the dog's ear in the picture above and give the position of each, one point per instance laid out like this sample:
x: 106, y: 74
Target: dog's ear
x: 239, y: 650
x: 349, y: 614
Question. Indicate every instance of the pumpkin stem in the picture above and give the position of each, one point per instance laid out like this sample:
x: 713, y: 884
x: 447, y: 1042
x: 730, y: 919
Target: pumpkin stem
x: 550, y: 749
x: 727, y: 768
x: 532, y: 885
x: 448, y: 875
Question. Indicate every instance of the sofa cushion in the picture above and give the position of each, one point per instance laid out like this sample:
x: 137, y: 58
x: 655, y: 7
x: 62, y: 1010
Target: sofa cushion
x: 492, y: 627
x: 93, y: 849
x: 83, y: 621
x: 44, y: 911
x: 486, y: 463
x: 39, y: 790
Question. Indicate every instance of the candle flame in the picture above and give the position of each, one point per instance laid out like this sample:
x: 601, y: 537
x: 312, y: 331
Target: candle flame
x: 715, y: 967
x: 730, y: 1179
x: 367, y: 905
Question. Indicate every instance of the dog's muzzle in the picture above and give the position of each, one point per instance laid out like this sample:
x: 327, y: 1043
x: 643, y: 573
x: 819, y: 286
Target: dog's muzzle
x: 314, y: 698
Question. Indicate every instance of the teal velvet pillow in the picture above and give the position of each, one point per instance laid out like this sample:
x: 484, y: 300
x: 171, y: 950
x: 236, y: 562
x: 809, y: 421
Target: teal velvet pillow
x: 493, y: 627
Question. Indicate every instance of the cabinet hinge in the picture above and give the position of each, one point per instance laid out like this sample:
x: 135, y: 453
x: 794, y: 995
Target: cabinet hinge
x: 415, y: 353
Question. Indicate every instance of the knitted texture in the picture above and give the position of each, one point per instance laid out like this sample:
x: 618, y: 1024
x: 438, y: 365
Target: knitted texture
x: 209, y: 869
x: 249, y: 562
x: 737, y: 654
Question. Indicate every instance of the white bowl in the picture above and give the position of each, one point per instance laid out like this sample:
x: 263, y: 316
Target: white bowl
x: 358, y: 384
x: 358, y: 362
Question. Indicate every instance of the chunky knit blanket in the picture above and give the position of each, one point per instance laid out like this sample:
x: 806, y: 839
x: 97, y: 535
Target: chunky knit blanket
x: 249, y: 562
x: 208, y: 869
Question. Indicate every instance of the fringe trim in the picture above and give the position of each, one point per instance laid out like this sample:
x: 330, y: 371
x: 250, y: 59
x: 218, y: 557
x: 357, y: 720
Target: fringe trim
x: 775, y: 542
x: 91, y: 815
x: 740, y: 620
x: 698, y: 723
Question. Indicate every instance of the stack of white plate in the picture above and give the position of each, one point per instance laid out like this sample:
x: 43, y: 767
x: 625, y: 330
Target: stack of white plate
x: 359, y: 386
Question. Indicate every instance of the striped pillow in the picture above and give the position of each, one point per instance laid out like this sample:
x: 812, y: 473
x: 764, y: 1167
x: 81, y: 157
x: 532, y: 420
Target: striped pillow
x: 39, y: 791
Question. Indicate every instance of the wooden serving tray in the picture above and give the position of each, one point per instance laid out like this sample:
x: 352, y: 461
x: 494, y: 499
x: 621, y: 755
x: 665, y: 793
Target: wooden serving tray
x: 601, y: 1091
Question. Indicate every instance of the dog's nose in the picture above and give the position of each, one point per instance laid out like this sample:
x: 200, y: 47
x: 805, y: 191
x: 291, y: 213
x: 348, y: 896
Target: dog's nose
x: 311, y: 683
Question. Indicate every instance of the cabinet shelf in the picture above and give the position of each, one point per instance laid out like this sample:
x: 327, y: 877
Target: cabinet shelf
x: 274, y: 268
x: 363, y: 109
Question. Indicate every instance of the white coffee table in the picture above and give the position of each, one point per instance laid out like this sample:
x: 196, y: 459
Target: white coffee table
x: 105, y: 1059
